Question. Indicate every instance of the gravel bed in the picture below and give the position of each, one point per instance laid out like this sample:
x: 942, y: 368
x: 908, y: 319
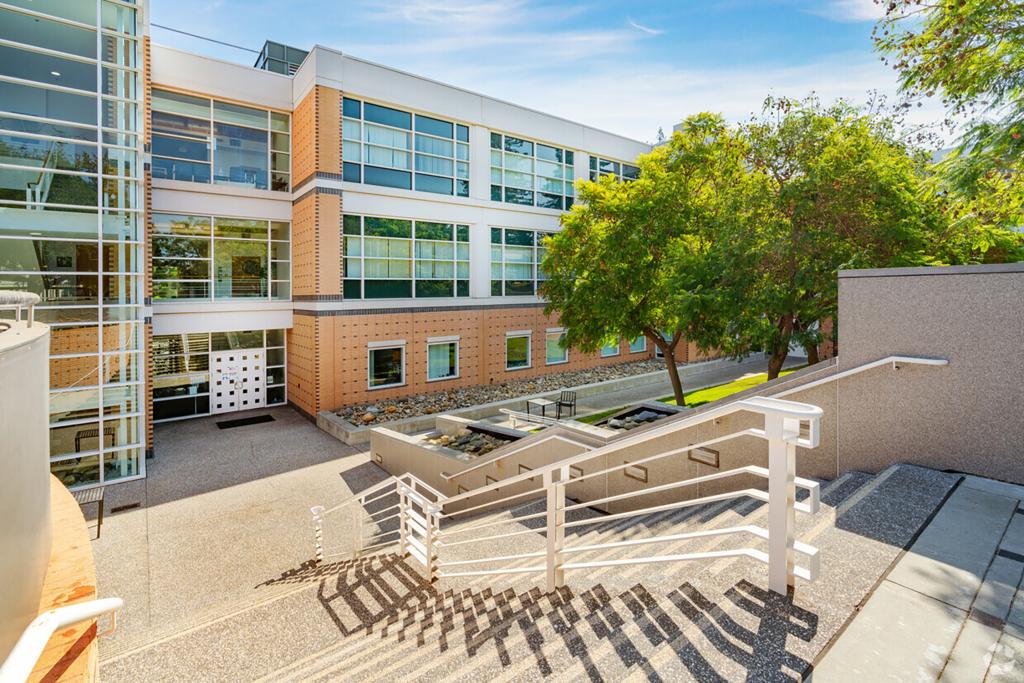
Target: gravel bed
x: 453, y: 399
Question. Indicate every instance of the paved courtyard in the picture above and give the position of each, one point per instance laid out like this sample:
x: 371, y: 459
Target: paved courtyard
x: 221, y: 513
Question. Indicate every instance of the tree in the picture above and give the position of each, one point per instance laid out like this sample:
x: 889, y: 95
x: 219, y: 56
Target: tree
x: 971, y: 53
x: 831, y: 187
x: 614, y: 267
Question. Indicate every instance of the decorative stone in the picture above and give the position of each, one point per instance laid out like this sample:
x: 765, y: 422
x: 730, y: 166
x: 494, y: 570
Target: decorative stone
x: 369, y: 417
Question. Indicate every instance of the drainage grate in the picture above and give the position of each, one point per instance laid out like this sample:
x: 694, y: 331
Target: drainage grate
x: 245, y: 421
x: 122, y: 508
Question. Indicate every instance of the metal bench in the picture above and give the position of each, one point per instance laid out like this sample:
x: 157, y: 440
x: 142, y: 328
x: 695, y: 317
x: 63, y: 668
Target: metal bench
x: 93, y: 495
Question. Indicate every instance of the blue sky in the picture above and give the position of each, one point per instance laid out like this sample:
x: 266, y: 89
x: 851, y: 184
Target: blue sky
x: 624, y: 67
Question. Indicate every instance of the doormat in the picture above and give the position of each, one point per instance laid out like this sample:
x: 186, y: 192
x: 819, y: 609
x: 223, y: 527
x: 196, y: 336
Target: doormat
x: 245, y: 421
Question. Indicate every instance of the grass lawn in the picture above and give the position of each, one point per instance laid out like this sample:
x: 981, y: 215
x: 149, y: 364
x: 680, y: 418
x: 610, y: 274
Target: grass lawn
x: 701, y: 396
x: 709, y: 394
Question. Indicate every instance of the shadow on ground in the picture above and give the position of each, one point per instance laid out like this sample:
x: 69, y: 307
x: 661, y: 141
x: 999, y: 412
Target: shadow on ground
x: 384, y: 594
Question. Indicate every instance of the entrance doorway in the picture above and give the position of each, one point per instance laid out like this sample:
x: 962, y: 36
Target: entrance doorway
x: 237, y: 380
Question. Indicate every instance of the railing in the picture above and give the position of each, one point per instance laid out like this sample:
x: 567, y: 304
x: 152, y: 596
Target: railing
x: 10, y: 299
x: 421, y: 511
x: 22, y: 659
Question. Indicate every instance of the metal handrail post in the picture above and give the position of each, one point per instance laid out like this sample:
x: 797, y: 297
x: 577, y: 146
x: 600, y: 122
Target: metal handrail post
x: 780, y: 432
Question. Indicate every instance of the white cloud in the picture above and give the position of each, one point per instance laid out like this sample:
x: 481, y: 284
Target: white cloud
x: 847, y: 10
x: 645, y: 29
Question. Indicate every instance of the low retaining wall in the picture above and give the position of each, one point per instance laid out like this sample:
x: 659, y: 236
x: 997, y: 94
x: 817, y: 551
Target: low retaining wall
x: 355, y: 435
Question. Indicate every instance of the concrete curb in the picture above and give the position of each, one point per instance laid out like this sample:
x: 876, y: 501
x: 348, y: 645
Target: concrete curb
x: 355, y: 435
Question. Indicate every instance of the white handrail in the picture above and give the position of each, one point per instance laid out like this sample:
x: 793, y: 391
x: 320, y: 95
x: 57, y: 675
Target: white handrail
x: 501, y: 456
x: 895, y: 360
x: 758, y: 404
x: 22, y: 659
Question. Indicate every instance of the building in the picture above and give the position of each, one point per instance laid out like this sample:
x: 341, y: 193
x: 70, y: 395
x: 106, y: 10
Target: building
x: 209, y: 237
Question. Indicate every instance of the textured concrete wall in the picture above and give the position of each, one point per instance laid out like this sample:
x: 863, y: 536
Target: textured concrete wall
x: 967, y: 416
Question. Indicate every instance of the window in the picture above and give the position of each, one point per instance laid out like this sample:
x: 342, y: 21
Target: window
x: 554, y: 348
x: 516, y: 256
x: 202, y: 140
x: 210, y: 257
x: 638, y: 345
x: 391, y: 258
x: 622, y: 171
x: 181, y: 369
x: 387, y: 367
x: 517, y: 350
x: 610, y: 349
x: 442, y: 360
x: 394, y: 148
x: 531, y: 173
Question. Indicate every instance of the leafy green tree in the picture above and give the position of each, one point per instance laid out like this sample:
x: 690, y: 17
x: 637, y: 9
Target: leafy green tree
x: 971, y: 53
x: 831, y: 187
x: 615, y: 268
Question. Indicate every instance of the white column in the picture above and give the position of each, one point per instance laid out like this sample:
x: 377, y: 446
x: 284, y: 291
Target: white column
x: 555, y: 526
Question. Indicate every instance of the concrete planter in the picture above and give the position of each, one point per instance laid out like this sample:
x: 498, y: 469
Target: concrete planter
x: 355, y: 435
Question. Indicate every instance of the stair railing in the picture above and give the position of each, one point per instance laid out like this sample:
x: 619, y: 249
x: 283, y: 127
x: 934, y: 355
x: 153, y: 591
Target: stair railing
x: 422, y: 510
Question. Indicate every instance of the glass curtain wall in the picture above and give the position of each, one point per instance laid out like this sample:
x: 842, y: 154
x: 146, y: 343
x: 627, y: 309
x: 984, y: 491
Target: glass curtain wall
x: 390, y: 258
x: 181, y: 369
x: 200, y: 140
x: 622, y: 171
x: 212, y: 257
x: 516, y: 256
x: 71, y: 220
x: 395, y: 148
x: 531, y: 173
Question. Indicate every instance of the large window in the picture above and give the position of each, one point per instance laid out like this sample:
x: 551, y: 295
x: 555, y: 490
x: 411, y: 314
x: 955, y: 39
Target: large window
x: 531, y: 173
x: 395, y: 148
x: 517, y: 350
x: 181, y: 369
x: 622, y: 171
x: 442, y: 359
x: 516, y: 256
x: 210, y: 257
x: 390, y: 258
x: 555, y: 351
x: 386, y: 366
x: 199, y: 140
x: 638, y: 345
x: 70, y: 221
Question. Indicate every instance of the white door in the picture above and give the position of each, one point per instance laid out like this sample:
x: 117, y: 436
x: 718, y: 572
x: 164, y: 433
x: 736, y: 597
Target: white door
x: 238, y: 380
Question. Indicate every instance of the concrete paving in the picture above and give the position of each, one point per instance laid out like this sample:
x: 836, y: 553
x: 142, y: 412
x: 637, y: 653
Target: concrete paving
x: 221, y: 513
x: 952, y: 608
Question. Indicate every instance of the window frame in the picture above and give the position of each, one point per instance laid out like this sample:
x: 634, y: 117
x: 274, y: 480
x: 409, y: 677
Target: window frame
x: 568, y: 169
x: 384, y: 346
x: 594, y: 169
x: 520, y: 334
x: 211, y: 136
x: 537, y: 276
x: 643, y: 338
x: 444, y: 341
x: 459, y: 182
x: 560, y: 333
x: 618, y: 349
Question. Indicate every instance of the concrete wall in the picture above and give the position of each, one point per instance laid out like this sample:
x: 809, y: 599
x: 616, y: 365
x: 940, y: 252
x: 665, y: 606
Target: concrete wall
x: 25, y: 485
x: 968, y: 416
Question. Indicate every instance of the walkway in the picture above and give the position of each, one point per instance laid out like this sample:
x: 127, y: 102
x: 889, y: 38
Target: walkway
x: 952, y: 608
x: 221, y: 512
x: 652, y: 392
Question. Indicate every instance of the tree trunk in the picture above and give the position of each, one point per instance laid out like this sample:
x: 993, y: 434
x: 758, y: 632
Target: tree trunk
x: 668, y: 350
x: 812, y: 353
x: 781, y: 347
x: 673, y: 375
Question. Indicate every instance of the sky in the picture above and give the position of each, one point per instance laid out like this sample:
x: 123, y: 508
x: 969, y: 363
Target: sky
x: 626, y: 67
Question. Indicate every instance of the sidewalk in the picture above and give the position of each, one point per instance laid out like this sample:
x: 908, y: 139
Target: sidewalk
x: 625, y: 397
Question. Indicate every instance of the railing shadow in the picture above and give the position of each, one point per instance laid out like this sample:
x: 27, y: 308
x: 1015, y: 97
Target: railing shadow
x: 705, y: 636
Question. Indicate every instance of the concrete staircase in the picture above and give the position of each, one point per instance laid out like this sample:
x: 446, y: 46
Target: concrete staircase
x: 376, y: 619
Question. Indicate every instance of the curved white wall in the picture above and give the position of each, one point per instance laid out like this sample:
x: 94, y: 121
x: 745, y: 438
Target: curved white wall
x: 25, y: 531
